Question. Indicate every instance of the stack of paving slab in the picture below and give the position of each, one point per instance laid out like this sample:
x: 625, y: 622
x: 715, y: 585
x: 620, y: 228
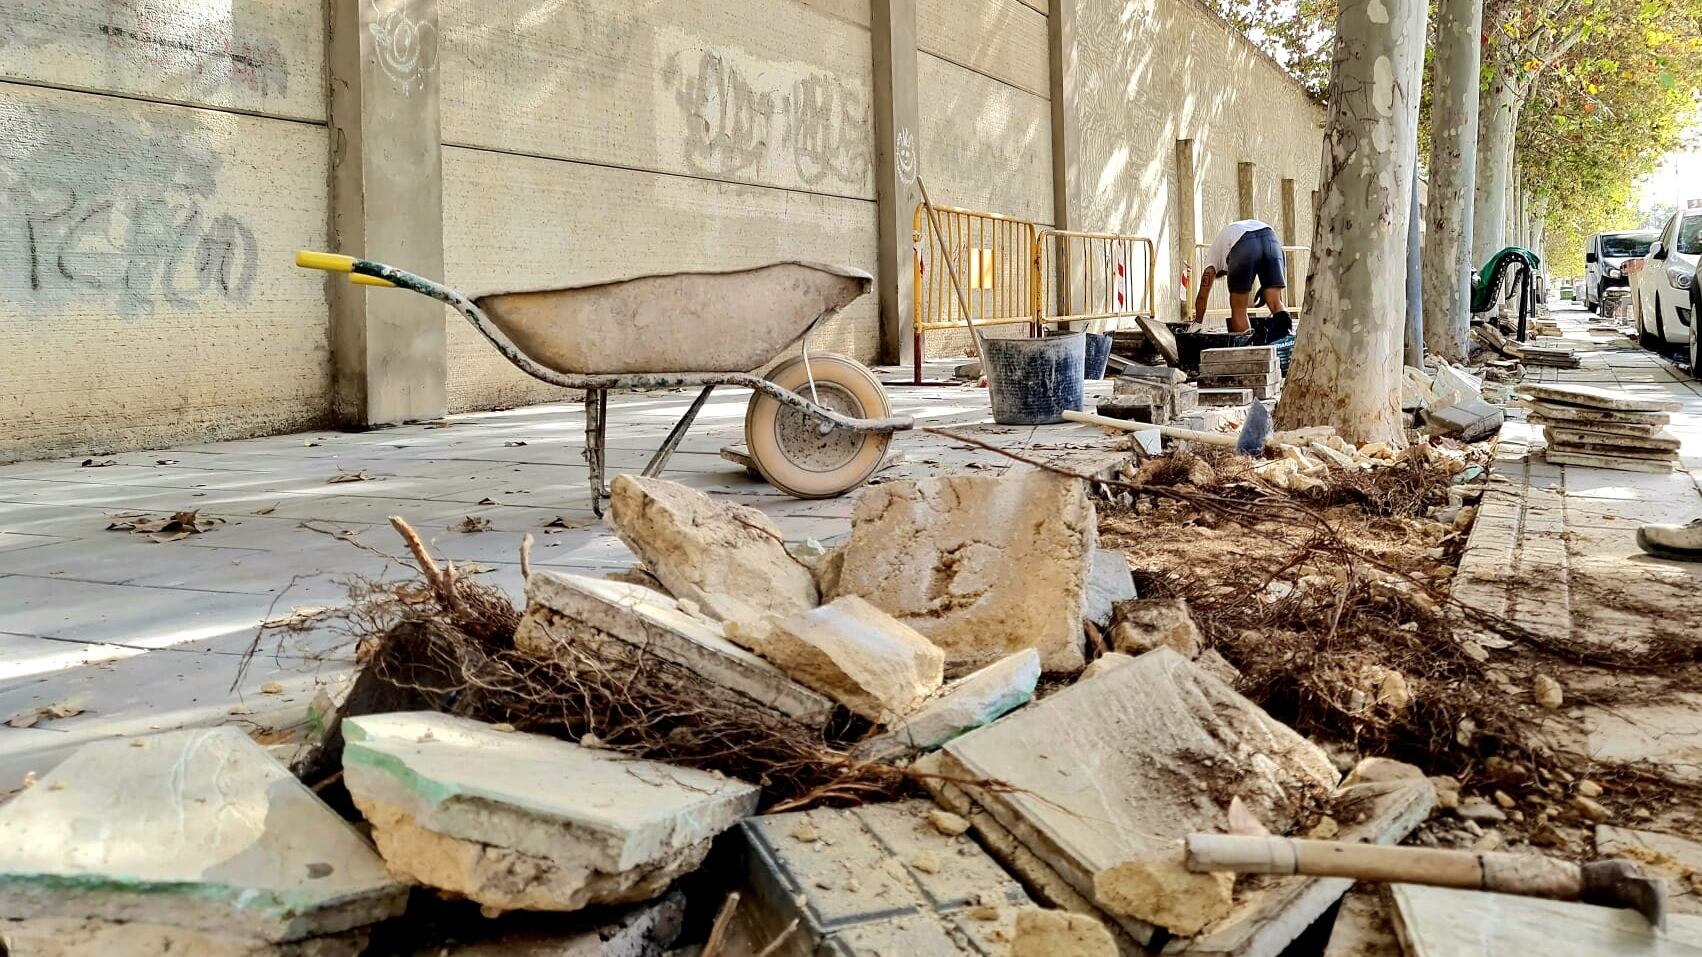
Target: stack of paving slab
x: 1155, y: 394
x: 1255, y: 368
x: 1604, y: 428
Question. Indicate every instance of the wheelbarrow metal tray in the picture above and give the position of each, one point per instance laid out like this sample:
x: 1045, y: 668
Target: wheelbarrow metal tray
x: 680, y: 323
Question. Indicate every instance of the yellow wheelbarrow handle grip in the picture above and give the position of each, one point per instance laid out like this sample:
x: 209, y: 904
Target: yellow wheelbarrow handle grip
x: 336, y: 262
x: 330, y: 262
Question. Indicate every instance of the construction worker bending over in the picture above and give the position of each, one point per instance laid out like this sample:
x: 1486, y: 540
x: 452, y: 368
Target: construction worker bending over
x: 1245, y: 251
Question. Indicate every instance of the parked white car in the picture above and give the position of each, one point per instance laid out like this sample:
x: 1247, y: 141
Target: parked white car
x: 1605, y: 257
x: 1666, y: 291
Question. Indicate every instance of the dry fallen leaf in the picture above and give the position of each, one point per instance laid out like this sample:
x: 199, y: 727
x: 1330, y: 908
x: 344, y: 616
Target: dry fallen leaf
x: 487, y: 501
x: 98, y: 463
x: 63, y: 709
x: 439, y: 424
x: 23, y: 719
x: 271, y: 687
x: 165, y: 461
x: 342, y: 477
x: 309, y: 443
x: 562, y: 521
x: 179, y: 526
x: 512, y: 445
x: 266, y: 510
x: 29, y: 780
x: 472, y: 523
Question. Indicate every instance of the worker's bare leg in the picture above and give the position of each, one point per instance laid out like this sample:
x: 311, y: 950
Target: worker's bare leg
x: 1238, y: 302
x: 1273, y: 300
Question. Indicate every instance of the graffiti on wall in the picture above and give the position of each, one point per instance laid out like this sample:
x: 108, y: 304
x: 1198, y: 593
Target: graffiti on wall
x: 406, y: 48
x: 95, y: 207
x: 734, y: 125
x: 198, y: 46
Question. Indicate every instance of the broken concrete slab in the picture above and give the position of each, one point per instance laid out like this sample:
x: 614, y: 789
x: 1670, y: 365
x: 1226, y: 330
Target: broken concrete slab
x: 1041, y: 880
x: 1620, y: 461
x: 1268, y: 917
x: 964, y: 705
x: 199, y: 830
x: 562, y: 607
x: 1591, y: 397
x: 1133, y: 408
x: 1147, y: 729
x: 851, y: 651
x: 1675, y: 858
x: 1149, y: 623
x: 1159, y: 889
x: 1169, y: 746
x: 525, y: 822
x: 879, y: 878
x: 94, y: 937
x: 1592, y: 438
x: 1637, y: 423
x: 1165, y: 374
x: 1441, y: 922
x: 1468, y: 419
x: 1109, y: 582
x: 729, y: 559
x: 1060, y: 933
x: 1239, y: 398
x: 983, y: 566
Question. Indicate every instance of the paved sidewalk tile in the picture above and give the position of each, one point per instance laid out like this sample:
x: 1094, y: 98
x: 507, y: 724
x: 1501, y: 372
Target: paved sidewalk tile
x: 150, y: 636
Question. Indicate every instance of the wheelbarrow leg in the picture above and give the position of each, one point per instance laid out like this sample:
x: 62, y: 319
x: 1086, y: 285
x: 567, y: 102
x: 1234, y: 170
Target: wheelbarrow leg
x: 672, y: 442
x: 596, y: 420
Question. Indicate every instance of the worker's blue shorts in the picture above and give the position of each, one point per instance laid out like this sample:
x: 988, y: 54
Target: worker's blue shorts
x: 1257, y: 255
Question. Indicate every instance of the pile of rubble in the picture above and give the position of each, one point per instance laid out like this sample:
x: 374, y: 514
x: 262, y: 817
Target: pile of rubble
x: 561, y: 773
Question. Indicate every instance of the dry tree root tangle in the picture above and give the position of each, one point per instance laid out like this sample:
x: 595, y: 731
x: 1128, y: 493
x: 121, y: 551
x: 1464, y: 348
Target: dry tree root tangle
x: 445, y: 642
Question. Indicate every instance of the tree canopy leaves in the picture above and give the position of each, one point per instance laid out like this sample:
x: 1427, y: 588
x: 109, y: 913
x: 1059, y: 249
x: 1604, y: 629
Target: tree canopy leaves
x: 1606, y: 88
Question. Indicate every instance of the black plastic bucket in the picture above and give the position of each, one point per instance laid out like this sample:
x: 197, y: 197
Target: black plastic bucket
x: 1034, y: 380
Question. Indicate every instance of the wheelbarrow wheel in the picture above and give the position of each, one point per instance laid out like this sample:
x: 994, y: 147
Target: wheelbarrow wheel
x: 787, y: 443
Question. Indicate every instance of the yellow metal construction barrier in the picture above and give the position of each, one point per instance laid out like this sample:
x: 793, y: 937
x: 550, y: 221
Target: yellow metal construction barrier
x: 1014, y: 272
x: 994, y: 258
x: 1298, y: 259
x: 1087, y: 277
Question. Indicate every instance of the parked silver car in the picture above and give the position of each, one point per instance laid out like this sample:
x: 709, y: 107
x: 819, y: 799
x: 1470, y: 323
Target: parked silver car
x: 1604, y: 261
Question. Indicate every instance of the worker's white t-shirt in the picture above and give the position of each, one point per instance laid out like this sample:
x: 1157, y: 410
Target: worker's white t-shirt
x: 1218, y: 255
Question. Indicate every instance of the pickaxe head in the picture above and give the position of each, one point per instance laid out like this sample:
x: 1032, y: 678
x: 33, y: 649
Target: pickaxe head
x: 1623, y: 884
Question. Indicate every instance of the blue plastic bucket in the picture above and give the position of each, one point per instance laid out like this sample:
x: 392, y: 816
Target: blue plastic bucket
x: 1034, y: 380
x: 1098, y: 354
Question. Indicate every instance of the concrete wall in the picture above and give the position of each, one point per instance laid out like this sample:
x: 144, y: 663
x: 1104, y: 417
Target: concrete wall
x: 984, y: 100
x: 591, y: 140
x: 158, y: 161
x: 1146, y: 73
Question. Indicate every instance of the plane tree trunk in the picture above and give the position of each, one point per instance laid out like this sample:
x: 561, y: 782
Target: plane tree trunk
x: 1346, y: 370
x: 1453, y: 170
x: 1497, y: 120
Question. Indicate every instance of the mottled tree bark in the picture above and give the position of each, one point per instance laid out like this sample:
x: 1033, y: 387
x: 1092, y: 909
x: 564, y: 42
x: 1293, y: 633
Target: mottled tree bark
x: 1347, y: 361
x: 1497, y: 119
x: 1453, y: 170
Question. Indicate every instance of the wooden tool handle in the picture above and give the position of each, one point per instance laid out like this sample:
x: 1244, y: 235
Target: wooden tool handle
x: 1528, y: 874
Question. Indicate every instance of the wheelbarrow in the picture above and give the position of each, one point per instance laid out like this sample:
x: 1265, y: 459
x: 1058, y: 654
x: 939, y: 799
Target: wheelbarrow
x: 817, y: 426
